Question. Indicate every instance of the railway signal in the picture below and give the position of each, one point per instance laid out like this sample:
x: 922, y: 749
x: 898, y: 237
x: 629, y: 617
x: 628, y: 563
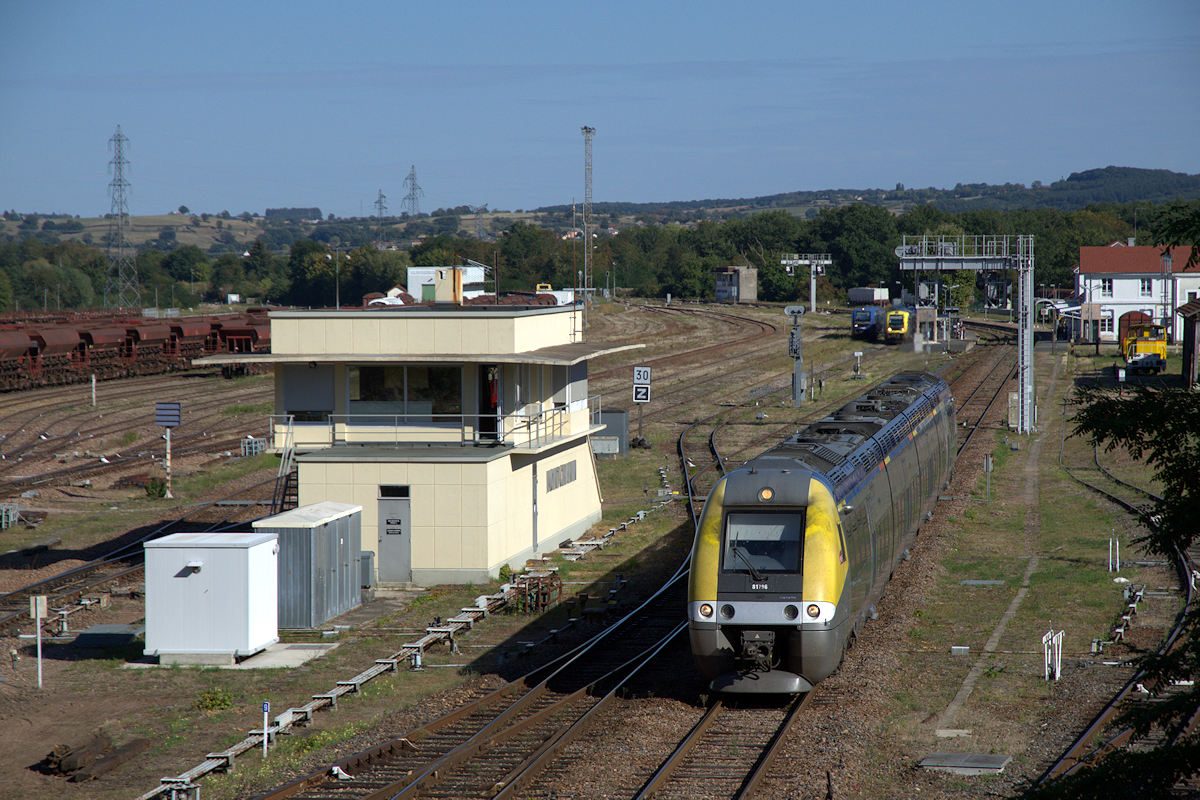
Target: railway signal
x: 167, y: 415
x: 796, y: 351
x: 641, y: 391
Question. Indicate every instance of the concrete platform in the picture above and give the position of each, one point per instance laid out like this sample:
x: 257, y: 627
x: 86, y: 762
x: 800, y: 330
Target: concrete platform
x: 285, y: 655
x: 966, y: 763
x: 281, y: 655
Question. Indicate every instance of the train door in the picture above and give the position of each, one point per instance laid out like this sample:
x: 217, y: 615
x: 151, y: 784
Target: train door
x: 395, y: 534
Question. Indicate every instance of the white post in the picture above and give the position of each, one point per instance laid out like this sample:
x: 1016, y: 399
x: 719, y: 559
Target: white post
x: 1046, y: 654
x: 168, y: 464
x: 37, y: 610
x: 266, y: 710
x: 93, y: 391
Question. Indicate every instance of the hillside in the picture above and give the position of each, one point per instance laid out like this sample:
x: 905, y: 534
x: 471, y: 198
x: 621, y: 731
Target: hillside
x: 221, y: 233
x: 1080, y: 189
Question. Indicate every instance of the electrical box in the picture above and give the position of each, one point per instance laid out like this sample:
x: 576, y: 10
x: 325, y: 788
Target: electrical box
x: 319, y: 562
x: 210, y: 597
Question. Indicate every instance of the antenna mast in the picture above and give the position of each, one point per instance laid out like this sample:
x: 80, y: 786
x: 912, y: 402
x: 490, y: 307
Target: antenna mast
x: 588, y: 133
x: 412, y: 200
x: 123, y: 285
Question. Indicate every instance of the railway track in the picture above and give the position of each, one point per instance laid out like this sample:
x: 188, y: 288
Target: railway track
x: 727, y: 753
x: 499, y: 744
x: 1103, y: 734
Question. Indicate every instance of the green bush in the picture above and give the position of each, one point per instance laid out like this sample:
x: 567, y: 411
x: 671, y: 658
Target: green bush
x: 214, y: 700
x: 156, y: 487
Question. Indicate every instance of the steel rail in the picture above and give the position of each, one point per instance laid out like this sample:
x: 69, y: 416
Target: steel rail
x: 662, y: 776
x: 759, y: 772
x: 1081, y: 751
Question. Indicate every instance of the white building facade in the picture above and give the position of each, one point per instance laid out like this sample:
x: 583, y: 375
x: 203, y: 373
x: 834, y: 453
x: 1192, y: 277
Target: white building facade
x: 1126, y: 281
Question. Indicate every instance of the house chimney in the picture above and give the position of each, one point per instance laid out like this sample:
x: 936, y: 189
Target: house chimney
x: 1131, y: 241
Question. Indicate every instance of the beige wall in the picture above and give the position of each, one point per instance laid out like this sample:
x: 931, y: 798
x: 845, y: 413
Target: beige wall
x: 467, y: 518
x: 397, y: 333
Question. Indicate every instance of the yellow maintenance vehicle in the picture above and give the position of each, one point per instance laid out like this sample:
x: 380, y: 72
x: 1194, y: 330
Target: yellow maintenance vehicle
x: 1144, y: 348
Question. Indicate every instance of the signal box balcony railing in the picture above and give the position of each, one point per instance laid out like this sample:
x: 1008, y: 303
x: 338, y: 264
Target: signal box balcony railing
x: 524, y: 431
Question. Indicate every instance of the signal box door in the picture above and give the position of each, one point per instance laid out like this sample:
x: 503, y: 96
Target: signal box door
x: 395, y: 535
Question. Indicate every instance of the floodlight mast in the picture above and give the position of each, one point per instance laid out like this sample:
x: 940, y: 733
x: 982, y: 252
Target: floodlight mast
x: 980, y: 253
x: 588, y: 134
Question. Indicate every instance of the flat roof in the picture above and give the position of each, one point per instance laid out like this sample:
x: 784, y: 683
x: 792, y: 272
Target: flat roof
x: 310, y: 516
x: 236, y: 539
x: 563, y: 355
x: 356, y: 453
x: 444, y: 310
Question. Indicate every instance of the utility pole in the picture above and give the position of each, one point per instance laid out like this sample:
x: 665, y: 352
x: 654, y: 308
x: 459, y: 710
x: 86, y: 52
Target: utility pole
x: 122, y: 289
x: 412, y: 200
x: 588, y: 134
x: 380, y: 207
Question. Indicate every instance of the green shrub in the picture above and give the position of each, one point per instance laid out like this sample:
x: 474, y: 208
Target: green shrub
x: 214, y: 700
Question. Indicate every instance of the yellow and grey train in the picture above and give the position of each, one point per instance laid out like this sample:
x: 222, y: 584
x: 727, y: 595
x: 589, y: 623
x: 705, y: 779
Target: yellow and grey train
x: 794, y: 548
x: 899, y: 325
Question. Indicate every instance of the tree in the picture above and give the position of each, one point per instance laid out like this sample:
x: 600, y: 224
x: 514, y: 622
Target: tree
x: 184, y: 210
x: 187, y: 263
x: 861, y: 239
x: 1161, y: 427
x: 6, y: 292
x: 1179, y: 225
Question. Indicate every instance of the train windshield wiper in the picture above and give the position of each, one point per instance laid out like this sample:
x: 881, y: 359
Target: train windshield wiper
x: 737, y: 551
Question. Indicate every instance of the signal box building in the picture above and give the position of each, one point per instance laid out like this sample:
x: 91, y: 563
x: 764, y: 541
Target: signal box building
x: 736, y: 284
x: 461, y: 431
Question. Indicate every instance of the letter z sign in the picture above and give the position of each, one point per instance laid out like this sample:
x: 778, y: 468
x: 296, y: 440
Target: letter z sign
x: 641, y: 384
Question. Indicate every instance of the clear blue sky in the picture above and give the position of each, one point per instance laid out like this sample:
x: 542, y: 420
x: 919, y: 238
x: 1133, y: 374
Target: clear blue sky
x: 248, y: 105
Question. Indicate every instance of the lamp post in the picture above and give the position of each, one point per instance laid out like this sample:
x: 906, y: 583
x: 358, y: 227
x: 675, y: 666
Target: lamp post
x: 1167, y: 290
x: 337, y: 275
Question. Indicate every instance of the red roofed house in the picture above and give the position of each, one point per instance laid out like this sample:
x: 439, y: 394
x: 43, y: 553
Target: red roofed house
x: 1121, y: 280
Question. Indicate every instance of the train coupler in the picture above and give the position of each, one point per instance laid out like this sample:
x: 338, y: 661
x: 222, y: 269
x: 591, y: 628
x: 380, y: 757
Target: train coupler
x: 758, y: 648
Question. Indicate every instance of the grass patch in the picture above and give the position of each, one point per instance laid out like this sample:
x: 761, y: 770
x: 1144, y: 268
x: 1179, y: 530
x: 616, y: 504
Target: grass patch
x: 248, y: 408
x: 287, y: 756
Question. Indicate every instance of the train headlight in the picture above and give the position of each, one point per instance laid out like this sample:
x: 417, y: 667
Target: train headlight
x: 790, y: 612
x: 727, y: 611
x: 766, y: 494
x: 706, y: 610
x: 813, y: 610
